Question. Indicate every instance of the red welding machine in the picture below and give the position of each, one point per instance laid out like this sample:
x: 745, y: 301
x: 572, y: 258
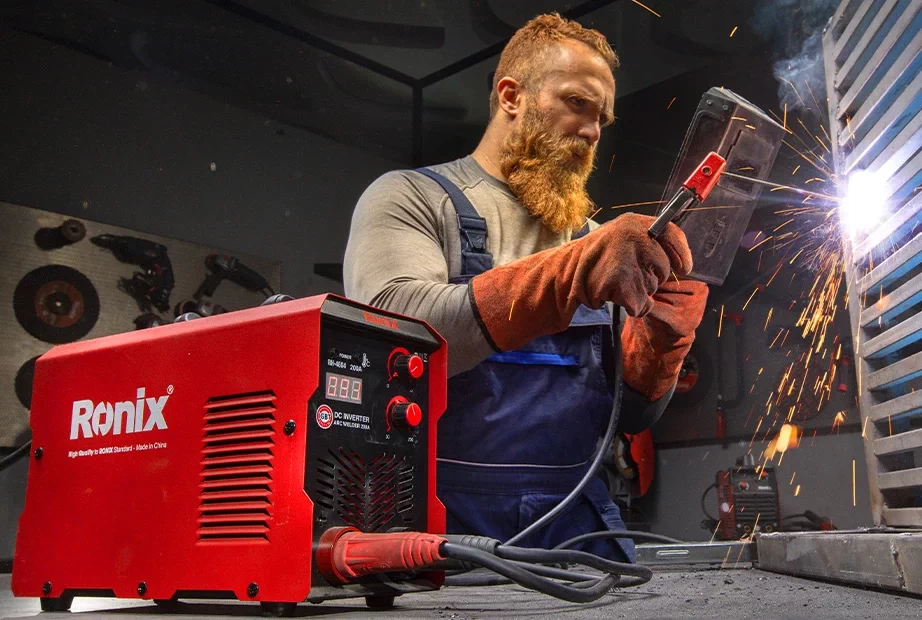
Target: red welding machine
x: 206, y: 459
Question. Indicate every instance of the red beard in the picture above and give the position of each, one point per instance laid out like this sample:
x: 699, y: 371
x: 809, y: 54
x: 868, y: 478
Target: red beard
x: 547, y: 172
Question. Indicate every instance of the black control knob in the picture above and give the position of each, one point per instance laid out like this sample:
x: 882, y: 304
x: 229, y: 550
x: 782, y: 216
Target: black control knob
x: 409, y: 367
x: 404, y: 415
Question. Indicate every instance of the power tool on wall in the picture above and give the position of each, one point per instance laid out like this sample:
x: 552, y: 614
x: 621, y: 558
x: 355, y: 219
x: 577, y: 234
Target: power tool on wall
x: 150, y: 287
x: 222, y: 267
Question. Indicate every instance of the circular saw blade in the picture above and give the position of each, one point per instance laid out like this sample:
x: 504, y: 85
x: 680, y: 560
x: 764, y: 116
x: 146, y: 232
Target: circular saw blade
x: 56, y: 304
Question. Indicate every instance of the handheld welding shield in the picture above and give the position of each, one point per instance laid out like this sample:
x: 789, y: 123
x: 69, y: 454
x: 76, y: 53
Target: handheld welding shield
x: 749, y: 140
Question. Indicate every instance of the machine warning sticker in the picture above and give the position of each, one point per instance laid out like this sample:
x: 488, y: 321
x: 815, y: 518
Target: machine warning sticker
x: 324, y: 416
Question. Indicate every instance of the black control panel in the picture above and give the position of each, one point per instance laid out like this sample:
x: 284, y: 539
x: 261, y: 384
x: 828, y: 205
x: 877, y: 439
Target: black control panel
x: 368, y: 423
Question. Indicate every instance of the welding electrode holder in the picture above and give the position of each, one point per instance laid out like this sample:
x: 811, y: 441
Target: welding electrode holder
x: 694, y: 191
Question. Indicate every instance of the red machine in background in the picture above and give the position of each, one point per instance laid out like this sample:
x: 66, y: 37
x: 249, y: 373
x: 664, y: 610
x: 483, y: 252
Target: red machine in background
x: 206, y: 459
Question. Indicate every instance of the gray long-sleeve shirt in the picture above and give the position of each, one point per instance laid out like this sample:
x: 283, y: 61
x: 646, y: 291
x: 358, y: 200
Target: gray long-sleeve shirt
x: 404, y: 245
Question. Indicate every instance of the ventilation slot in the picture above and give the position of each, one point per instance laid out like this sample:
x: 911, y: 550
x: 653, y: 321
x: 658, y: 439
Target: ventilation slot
x: 235, y: 503
x: 369, y: 495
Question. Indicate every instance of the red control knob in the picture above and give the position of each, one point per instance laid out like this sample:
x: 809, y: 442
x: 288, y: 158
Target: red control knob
x: 409, y: 366
x: 403, y: 414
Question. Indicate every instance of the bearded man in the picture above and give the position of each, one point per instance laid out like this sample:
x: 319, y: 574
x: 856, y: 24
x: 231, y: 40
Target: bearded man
x: 495, y: 251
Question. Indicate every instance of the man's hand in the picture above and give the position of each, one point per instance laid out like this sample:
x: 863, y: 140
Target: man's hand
x: 654, y: 346
x: 618, y: 262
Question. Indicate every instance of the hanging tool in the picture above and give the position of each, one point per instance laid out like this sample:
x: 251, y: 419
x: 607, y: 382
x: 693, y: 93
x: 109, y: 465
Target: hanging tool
x: 151, y: 286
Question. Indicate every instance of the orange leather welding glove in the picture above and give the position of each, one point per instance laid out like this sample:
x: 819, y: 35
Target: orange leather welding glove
x: 654, y: 346
x: 617, y: 262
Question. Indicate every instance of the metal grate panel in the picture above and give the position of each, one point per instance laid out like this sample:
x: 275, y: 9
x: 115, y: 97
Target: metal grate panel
x: 366, y: 495
x: 872, y: 52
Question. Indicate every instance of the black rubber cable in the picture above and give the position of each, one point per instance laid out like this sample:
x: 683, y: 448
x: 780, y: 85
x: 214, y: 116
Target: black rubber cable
x: 645, y: 536
x: 529, y: 579
x: 703, y: 507
x: 15, y: 455
x: 547, y: 556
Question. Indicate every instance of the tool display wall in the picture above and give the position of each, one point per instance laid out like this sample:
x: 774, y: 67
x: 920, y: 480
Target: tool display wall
x: 60, y: 285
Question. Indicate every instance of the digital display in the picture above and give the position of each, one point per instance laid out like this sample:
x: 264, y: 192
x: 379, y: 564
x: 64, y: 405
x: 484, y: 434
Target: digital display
x: 346, y: 389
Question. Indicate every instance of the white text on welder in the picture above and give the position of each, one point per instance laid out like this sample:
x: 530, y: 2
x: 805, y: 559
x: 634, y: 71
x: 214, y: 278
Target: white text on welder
x: 89, y: 419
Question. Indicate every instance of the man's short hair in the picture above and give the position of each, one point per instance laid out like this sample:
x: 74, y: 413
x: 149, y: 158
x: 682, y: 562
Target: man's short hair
x: 522, y: 58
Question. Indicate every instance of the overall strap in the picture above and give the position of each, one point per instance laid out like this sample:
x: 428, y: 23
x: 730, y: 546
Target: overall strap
x: 582, y: 232
x: 474, y: 256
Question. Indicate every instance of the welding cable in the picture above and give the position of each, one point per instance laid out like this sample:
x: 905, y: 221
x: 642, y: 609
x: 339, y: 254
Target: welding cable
x: 703, y: 507
x: 565, y: 503
x: 637, y: 536
x: 15, y: 455
x: 529, y: 579
x: 570, y: 556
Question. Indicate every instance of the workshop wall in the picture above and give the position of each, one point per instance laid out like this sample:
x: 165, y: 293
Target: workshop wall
x: 88, y: 139
x: 91, y: 140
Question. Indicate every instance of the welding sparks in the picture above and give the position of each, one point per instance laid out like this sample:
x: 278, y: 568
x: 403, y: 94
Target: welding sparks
x: 797, y: 491
x: 733, y: 32
x: 720, y: 323
x: 761, y: 242
x: 510, y: 309
x: 638, y: 204
x: 646, y: 7
x: 854, y: 498
x: 755, y: 290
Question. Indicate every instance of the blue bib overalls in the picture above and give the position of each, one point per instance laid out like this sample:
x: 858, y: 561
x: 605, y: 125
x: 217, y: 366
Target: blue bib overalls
x: 522, y: 425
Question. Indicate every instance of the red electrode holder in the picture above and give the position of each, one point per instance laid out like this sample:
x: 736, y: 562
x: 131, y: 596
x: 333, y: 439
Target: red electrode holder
x: 694, y: 191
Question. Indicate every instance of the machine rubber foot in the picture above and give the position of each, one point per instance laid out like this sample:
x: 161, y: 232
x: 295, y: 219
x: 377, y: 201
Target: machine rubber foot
x: 58, y: 603
x: 167, y: 604
x: 279, y: 610
x: 380, y: 601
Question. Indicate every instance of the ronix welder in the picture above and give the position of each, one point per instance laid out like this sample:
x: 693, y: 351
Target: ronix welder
x: 207, y: 458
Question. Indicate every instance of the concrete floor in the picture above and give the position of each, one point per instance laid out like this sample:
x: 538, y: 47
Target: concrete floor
x: 726, y: 594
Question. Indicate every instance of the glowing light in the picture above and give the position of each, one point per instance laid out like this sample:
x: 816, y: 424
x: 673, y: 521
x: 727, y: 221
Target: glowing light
x: 864, y: 205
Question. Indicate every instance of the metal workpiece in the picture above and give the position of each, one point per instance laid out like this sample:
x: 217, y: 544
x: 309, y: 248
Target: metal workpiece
x: 733, y: 554
x: 889, y: 560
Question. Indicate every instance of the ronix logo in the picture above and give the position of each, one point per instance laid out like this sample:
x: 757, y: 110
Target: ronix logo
x: 383, y: 321
x: 89, y: 419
